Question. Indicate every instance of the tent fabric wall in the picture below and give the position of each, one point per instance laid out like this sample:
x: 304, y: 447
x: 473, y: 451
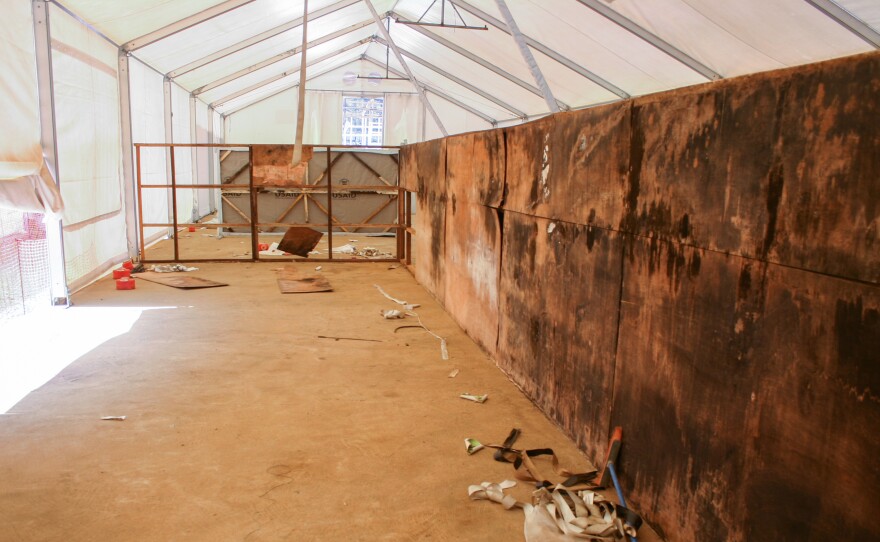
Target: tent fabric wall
x: 20, y: 151
x: 183, y: 160
x: 26, y: 183
x: 402, y: 119
x: 202, y: 159
x: 86, y: 96
x: 455, y: 119
x: 148, y: 126
x: 273, y: 120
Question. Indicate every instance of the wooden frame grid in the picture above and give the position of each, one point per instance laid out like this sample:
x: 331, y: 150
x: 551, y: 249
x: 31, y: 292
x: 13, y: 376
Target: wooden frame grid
x: 402, y: 225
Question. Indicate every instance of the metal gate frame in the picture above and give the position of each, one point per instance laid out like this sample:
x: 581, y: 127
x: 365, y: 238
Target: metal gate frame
x: 403, y: 225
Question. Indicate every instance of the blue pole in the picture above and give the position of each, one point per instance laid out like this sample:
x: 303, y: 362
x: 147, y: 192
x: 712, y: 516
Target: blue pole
x: 613, y: 472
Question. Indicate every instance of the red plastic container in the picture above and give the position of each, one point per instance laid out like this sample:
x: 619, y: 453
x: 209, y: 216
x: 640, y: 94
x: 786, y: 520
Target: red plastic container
x: 128, y: 265
x: 262, y: 246
x: 121, y: 273
x: 125, y: 283
x: 192, y: 228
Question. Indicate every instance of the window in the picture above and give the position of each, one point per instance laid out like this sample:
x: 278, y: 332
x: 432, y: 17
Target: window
x: 363, y: 120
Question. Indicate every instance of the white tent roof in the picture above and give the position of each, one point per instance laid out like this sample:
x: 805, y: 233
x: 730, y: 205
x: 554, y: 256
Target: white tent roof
x: 237, y: 52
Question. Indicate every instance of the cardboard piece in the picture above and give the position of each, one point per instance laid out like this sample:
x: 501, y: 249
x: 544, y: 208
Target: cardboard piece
x: 300, y: 240
x: 184, y: 282
x: 304, y: 285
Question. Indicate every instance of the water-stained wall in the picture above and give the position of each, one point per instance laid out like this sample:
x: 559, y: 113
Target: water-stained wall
x: 701, y: 267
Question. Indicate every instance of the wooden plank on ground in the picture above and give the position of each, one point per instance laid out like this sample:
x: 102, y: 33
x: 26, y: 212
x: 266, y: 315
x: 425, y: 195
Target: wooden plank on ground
x: 178, y: 280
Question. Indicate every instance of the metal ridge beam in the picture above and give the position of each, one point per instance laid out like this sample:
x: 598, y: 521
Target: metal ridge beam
x: 281, y: 56
x: 437, y: 92
x: 540, y: 47
x: 282, y: 75
x: 609, y: 13
x: 497, y: 101
x: 183, y: 24
x: 253, y: 40
x: 848, y: 21
x: 482, y: 62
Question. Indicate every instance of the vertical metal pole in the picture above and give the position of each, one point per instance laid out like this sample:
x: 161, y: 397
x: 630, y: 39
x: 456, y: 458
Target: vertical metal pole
x: 58, y: 291
x: 169, y: 139
x: 255, y: 234
x: 528, y: 57
x: 401, y: 214
x: 131, y: 195
x: 408, y: 227
x: 174, y: 204
x: 140, y: 203
x: 301, y: 97
x: 329, y: 206
x: 212, y: 156
x: 194, y: 156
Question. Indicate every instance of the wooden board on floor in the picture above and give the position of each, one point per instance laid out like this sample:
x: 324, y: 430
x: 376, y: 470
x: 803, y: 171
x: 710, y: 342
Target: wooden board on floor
x: 304, y: 285
x: 177, y: 280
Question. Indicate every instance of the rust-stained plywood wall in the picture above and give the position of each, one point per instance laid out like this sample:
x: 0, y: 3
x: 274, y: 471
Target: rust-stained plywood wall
x: 701, y: 267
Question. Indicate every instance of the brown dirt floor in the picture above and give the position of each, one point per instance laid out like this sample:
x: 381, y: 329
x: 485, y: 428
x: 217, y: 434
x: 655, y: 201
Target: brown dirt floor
x: 242, y: 424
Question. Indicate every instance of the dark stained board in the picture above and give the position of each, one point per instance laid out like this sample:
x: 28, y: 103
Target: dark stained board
x: 829, y: 170
x: 558, y: 324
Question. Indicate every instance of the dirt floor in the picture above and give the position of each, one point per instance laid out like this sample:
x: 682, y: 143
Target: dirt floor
x: 242, y: 424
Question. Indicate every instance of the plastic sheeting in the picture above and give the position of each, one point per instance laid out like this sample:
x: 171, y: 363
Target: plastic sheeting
x: 148, y: 126
x: 26, y: 183
x: 89, y: 147
x: 274, y: 120
x: 20, y: 151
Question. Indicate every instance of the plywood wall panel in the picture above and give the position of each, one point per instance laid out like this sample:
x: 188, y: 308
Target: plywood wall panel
x: 683, y: 384
x: 429, y: 243
x: 828, y: 172
x: 528, y: 173
x: 489, y: 167
x: 748, y: 376
x: 559, y: 284
x: 473, y: 257
x: 588, y: 162
x: 816, y: 411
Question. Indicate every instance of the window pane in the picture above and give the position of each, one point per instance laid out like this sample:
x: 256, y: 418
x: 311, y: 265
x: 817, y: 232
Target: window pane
x: 363, y: 120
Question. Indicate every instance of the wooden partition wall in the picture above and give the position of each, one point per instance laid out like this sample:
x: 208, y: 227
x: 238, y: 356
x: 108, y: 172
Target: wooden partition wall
x: 701, y: 267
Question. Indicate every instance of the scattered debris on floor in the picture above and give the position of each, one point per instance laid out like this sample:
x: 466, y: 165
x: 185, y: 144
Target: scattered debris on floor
x: 393, y: 266
x: 318, y: 268
x: 300, y: 240
x: 475, y: 398
x: 349, y: 339
x: 560, y: 514
x: 493, y: 492
x: 472, y: 445
x: 182, y: 282
x: 453, y: 374
x: 272, y: 250
x: 113, y: 418
x: 392, y: 314
x: 444, y: 352
x: 564, y: 510
x: 366, y: 252
x: 172, y: 268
